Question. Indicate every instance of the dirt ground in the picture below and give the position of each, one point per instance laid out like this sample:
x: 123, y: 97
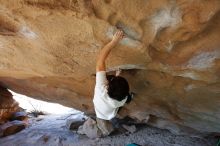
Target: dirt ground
x: 51, y: 130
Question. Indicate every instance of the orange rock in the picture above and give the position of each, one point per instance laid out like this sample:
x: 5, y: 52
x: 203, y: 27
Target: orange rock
x: 49, y: 50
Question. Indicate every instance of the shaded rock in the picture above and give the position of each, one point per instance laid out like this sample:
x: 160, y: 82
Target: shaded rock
x: 80, y: 130
x: 12, y: 127
x: 21, y: 116
x: 73, y: 124
x: 176, y: 129
x: 105, y: 126
x: 118, y: 122
x: 90, y: 129
x: 131, y: 128
x: 7, y: 105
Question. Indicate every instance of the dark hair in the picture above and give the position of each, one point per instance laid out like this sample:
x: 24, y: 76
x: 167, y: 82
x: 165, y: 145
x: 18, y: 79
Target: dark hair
x: 118, y: 87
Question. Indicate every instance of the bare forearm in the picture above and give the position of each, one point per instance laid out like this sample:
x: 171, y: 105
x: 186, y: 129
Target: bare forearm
x: 104, y: 54
x: 100, y: 64
x: 106, y: 50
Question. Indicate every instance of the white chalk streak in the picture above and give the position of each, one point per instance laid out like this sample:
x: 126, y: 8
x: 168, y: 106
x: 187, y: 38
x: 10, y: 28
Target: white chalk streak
x: 166, y: 17
x: 125, y: 41
x: 203, y: 60
x: 28, y: 33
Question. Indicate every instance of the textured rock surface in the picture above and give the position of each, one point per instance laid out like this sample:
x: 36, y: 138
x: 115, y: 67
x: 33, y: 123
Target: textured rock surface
x: 20, y: 116
x: 90, y: 129
x: 105, y: 126
x: 49, y: 48
x: 12, y: 127
x: 7, y: 105
x: 73, y: 124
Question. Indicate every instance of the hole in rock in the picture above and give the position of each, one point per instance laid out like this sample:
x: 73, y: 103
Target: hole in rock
x: 33, y: 105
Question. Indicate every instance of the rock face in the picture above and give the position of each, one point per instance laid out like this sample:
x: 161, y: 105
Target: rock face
x: 7, y: 105
x: 170, y: 56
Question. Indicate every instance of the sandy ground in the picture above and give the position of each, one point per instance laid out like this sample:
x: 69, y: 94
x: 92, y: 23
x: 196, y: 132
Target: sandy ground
x: 51, y: 131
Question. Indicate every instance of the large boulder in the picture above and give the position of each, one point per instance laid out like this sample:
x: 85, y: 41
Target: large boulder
x: 105, y: 126
x: 90, y: 129
x: 12, y: 127
x: 8, y: 106
x: 96, y: 128
x: 170, y: 56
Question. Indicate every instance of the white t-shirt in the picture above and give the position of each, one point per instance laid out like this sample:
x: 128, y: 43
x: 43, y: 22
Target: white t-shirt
x: 105, y: 107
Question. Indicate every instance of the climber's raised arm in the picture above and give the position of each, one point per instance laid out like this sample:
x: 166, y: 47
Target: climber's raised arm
x: 100, y: 63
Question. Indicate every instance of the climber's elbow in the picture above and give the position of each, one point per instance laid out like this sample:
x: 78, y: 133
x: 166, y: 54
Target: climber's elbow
x: 100, y: 66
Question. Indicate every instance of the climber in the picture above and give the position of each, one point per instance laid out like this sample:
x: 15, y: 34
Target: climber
x: 111, y: 92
